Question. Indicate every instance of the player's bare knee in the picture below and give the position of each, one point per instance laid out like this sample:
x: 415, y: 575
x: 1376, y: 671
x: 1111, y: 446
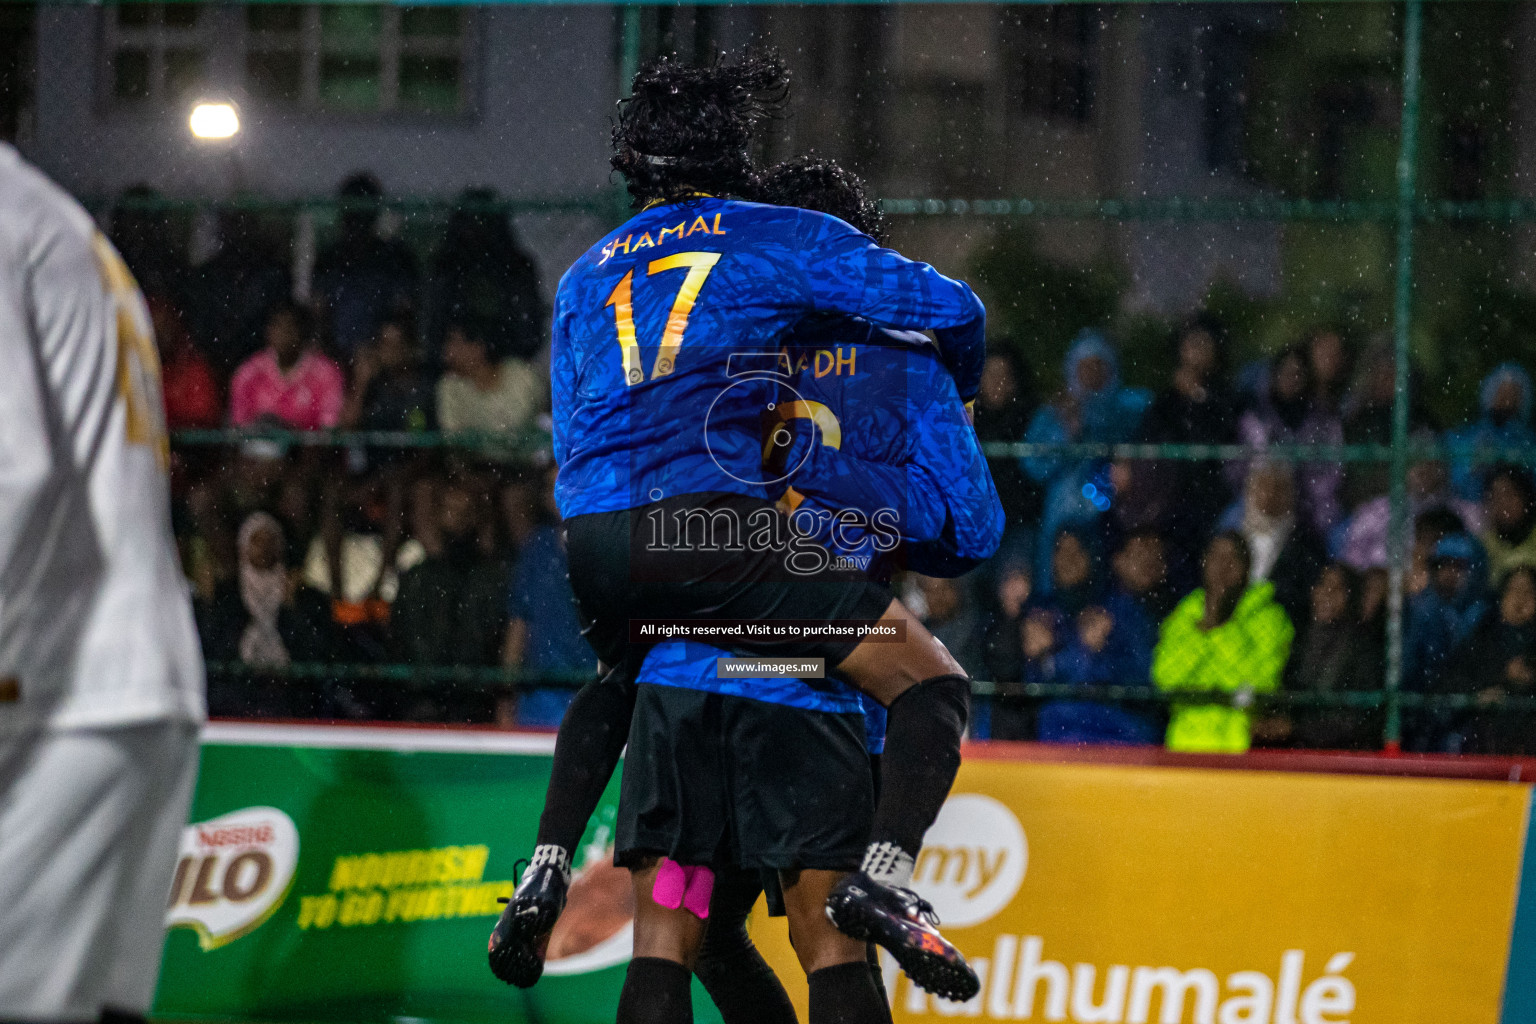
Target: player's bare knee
x: 663, y: 933
x: 819, y: 945
x: 816, y: 942
x: 887, y: 671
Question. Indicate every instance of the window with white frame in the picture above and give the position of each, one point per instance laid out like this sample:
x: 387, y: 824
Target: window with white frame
x: 356, y: 57
x: 156, y: 52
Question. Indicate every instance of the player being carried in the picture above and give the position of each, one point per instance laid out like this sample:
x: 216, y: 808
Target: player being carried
x: 657, y: 431
x: 887, y: 467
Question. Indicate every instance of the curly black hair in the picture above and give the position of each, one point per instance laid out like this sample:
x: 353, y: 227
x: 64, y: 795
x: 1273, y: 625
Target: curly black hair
x: 687, y: 128
x: 814, y: 183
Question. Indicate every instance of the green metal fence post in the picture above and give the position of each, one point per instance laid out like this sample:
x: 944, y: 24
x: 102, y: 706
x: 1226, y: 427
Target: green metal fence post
x: 629, y: 46
x: 629, y: 63
x: 1397, y: 540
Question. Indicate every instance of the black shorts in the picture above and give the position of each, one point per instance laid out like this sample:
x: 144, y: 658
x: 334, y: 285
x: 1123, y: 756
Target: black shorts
x: 689, y: 558
x: 769, y: 881
x: 717, y: 780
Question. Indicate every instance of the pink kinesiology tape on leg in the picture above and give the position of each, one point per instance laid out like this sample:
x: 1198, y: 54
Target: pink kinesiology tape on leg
x: 701, y: 885
x: 680, y: 886
x: 671, y: 884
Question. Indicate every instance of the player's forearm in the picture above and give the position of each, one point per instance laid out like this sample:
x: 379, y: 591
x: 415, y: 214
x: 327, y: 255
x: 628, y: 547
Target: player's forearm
x: 948, y: 308
x: 973, y: 530
x: 926, y: 300
x: 852, y: 276
x: 951, y: 459
x: 839, y: 481
x: 965, y: 353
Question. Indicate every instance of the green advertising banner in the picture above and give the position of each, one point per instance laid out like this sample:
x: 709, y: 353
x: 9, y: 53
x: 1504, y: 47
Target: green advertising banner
x: 352, y: 874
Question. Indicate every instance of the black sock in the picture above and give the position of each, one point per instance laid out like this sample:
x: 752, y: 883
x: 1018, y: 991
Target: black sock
x: 744, y: 988
x: 656, y: 991
x: 846, y: 994
x: 922, y: 755
x: 872, y: 957
x: 587, y: 749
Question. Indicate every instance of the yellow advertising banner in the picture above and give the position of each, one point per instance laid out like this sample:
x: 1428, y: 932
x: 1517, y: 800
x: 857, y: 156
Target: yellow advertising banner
x: 1135, y: 895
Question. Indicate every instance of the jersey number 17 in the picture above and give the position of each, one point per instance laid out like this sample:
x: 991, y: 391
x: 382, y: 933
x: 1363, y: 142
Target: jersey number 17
x: 699, y: 265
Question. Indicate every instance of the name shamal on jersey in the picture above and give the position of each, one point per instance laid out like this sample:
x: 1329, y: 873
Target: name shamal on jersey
x: 630, y: 244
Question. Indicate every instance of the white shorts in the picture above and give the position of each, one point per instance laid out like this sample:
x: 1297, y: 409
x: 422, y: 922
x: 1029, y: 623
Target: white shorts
x: 90, y: 822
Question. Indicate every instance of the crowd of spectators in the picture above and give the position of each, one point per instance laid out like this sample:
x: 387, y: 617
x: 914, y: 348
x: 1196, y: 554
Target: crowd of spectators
x: 428, y: 557
x: 378, y: 345
x: 1241, y: 577
x: 1230, y: 580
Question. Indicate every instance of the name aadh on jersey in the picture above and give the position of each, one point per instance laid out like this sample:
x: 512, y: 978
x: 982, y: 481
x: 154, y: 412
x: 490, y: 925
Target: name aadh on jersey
x: 891, y: 437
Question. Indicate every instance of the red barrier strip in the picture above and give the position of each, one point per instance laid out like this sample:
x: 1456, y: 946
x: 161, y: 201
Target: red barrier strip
x: 1335, y: 762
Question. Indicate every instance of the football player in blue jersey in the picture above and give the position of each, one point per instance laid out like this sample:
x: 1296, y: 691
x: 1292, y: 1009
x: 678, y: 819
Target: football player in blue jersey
x: 714, y: 788
x: 668, y: 509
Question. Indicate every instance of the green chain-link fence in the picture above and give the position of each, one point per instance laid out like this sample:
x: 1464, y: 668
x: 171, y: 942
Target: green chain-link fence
x: 1406, y: 213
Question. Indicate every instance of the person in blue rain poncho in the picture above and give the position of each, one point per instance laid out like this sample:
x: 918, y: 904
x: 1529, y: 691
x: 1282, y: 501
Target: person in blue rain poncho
x: 1094, y: 407
x: 1504, y: 402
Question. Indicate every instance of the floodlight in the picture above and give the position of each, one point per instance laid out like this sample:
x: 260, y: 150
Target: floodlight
x: 214, y: 121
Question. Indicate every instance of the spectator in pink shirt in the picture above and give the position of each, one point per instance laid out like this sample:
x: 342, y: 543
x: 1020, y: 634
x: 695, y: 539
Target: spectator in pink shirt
x: 287, y: 383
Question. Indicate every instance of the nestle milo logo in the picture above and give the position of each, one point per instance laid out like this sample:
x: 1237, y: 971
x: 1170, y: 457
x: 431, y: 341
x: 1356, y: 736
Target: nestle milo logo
x: 233, y: 873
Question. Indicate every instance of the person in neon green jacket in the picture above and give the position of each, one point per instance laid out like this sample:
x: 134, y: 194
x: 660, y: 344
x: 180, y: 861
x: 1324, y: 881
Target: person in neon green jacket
x: 1230, y: 636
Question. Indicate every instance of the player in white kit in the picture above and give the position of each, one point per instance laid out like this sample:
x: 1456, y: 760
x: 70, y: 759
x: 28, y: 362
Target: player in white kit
x: 101, y: 682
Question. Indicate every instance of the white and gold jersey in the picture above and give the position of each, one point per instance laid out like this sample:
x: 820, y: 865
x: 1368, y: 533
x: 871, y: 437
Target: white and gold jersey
x: 96, y: 621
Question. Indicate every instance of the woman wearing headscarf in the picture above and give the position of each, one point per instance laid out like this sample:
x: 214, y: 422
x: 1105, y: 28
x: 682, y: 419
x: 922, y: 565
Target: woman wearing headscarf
x: 1505, y: 403
x: 263, y: 590
x: 263, y: 621
x: 1093, y: 408
x: 1048, y: 619
x: 1288, y: 413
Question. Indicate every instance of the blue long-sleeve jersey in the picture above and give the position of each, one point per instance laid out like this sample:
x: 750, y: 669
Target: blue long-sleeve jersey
x: 891, y: 434
x: 648, y: 402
